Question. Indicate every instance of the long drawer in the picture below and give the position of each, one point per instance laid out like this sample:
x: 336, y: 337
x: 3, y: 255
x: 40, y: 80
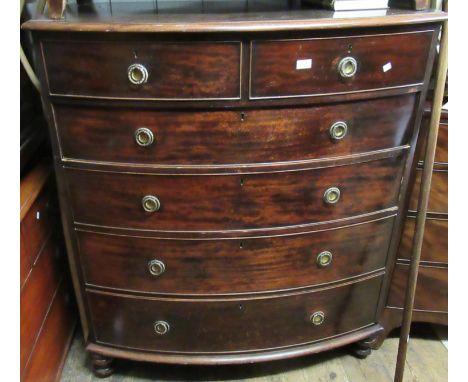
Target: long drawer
x: 291, y: 68
x: 201, y: 326
x: 233, y: 137
x: 167, y: 70
x: 226, y: 202
x: 233, y: 266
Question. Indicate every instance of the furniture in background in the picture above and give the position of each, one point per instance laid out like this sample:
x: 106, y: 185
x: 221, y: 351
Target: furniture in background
x: 431, y: 303
x: 224, y: 178
x: 48, y: 316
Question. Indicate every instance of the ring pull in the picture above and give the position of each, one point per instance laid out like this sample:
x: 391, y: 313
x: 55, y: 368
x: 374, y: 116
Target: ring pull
x: 338, y: 130
x: 156, y: 267
x: 150, y: 203
x: 137, y: 74
x: 144, y: 137
x: 332, y: 195
x: 347, y: 67
x: 324, y: 259
x: 317, y: 318
x: 161, y: 328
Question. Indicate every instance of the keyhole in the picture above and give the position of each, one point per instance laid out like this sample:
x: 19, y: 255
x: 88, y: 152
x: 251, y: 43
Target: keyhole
x: 242, y: 117
x: 350, y: 48
x: 242, y: 182
x: 241, y: 245
x: 135, y: 54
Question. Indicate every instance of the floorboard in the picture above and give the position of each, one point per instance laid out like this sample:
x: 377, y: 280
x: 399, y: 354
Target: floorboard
x: 426, y: 362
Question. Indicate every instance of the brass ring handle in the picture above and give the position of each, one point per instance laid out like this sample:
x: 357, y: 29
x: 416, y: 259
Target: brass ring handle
x: 317, y: 318
x: 150, y: 203
x: 156, y: 267
x: 338, y: 130
x: 332, y: 195
x: 144, y: 137
x: 324, y: 259
x: 347, y: 67
x: 137, y: 74
x: 161, y: 328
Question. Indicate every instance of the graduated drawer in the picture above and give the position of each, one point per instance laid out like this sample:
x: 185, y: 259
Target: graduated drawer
x: 226, y: 202
x: 233, y: 266
x: 290, y: 68
x: 196, y: 326
x: 221, y: 137
x: 175, y: 70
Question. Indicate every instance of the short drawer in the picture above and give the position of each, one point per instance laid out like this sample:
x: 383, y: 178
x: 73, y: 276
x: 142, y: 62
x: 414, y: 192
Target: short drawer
x: 438, y: 197
x: 431, y: 291
x: 435, y: 243
x: 291, y: 68
x: 233, y: 266
x: 167, y: 70
x: 226, y: 202
x: 230, y: 137
x: 195, y: 326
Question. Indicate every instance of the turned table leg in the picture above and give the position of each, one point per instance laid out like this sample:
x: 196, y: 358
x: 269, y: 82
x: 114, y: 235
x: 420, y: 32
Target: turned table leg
x: 102, y: 365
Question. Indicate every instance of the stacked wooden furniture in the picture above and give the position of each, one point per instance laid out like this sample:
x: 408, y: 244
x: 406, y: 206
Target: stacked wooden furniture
x: 232, y: 185
x: 47, y: 315
x: 431, y: 304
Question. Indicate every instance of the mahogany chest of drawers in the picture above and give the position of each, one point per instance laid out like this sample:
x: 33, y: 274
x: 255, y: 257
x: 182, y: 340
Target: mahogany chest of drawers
x: 232, y: 189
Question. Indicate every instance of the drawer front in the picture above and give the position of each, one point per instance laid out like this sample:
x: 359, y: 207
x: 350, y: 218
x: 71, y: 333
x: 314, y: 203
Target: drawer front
x: 195, y: 70
x: 219, y: 137
x: 431, y: 291
x: 233, y: 266
x: 283, y: 69
x: 219, y: 202
x: 232, y: 325
x: 435, y: 243
x: 438, y: 198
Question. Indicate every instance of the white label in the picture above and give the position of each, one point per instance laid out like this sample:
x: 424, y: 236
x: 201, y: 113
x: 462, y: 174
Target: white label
x: 304, y: 64
x: 387, y: 67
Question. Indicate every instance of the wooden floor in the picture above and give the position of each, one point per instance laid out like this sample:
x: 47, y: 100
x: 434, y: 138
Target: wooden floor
x: 426, y: 362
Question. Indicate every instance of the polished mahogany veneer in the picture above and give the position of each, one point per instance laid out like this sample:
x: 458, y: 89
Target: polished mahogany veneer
x: 380, y: 61
x: 234, y: 265
x: 197, y: 326
x: 230, y: 137
x: 238, y: 196
x: 176, y: 70
x: 232, y: 202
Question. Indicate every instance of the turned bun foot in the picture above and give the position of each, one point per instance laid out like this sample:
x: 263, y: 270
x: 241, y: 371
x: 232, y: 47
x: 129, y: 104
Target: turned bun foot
x: 102, y: 365
x: 362, y: 349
